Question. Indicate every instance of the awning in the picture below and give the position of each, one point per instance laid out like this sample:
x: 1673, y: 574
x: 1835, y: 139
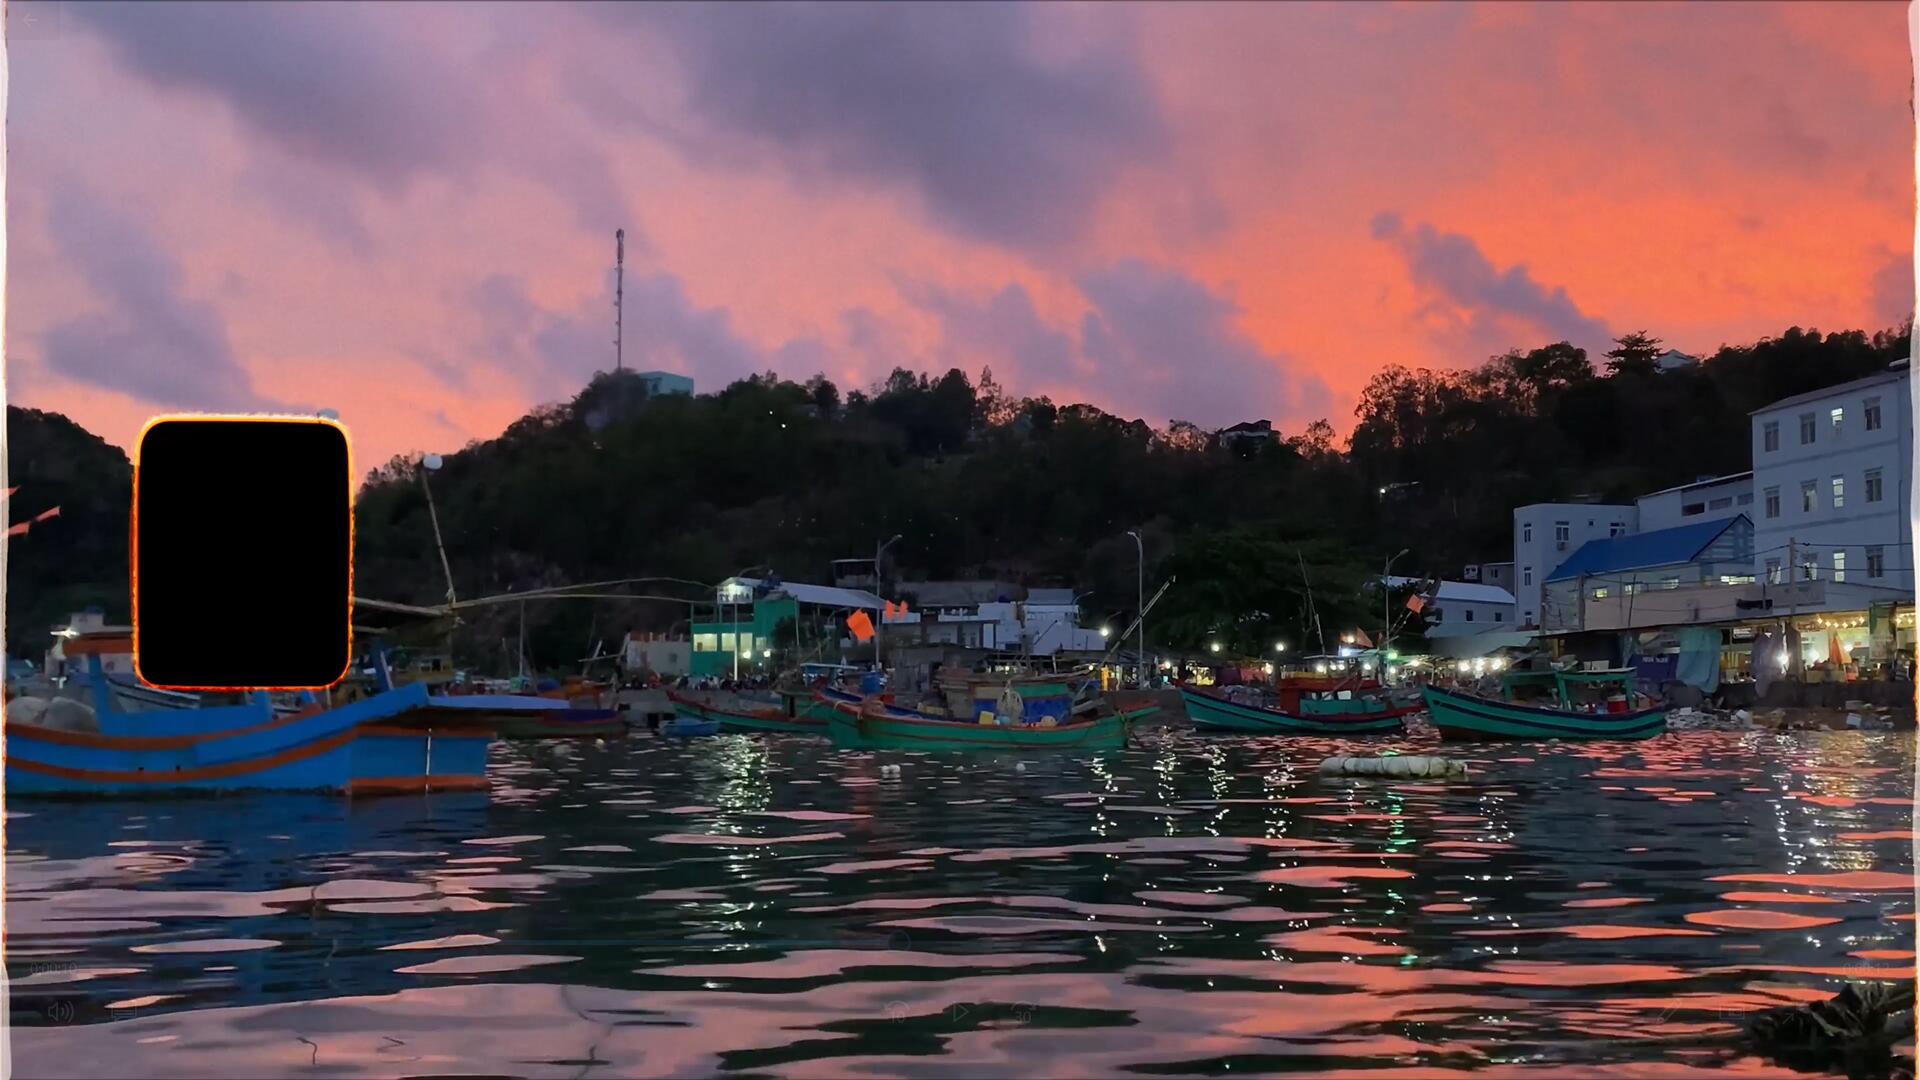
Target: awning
x: 1475, y: 646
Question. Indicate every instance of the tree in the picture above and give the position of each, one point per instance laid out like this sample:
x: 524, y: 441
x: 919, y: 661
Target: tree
x: 1633, y: 354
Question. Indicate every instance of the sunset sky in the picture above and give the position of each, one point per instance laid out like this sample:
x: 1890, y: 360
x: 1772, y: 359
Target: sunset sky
x: 1210, y: 213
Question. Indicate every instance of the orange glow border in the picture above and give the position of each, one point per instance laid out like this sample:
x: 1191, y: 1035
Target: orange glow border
x: 133, y: 537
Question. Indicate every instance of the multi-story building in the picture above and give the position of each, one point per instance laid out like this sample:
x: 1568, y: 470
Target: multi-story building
x: 1706, y: 498
x: 1832, y: 474
x: 1547, y: 534
x: 660, y: 383
x: 1651, y: 578
x: 1494, y: 573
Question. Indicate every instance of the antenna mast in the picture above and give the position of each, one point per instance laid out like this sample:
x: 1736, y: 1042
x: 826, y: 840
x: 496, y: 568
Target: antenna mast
x: 619, y: 290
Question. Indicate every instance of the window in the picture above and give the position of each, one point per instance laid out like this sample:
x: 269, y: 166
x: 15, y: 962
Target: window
x: 1773, y: 571
x: 1526, y: 532
x: 1630, y: 588
x: 1876, y: 561
x: 1770, y: 435
x: 1839, y: 418
x: 1499, y: 616
x: 1839, y: 492
x: 1870, y: 412
x: 1526, y: 575
x: 1773, y: 502
x: 1736, y: 579
x: 1719, y: 504
x: 1670, y: 583
x: 1562, y: 532
x: 1745, y: 499
x: 1839, y: 566
x: 1600, y: 593
x: 706, y: 643
x: 1808, y: 496
x: 1615, y: 528
x: 1469, y: 614
x: 1873, y: 485
x: 1806, y: 428
x: 1809, y: 567
x: 1691, y: 509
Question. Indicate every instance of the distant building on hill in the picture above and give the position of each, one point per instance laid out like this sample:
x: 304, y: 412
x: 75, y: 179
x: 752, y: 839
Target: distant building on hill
x: 1253, y: 431
x: 661, y: 383
x: 1674, y: 360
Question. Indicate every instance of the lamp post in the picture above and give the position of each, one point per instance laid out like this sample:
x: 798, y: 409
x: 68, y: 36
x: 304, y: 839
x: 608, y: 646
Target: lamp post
x: 431, y: 463
x: 879, y: 632
x: 1140, y: 604
x: 1386, y: 602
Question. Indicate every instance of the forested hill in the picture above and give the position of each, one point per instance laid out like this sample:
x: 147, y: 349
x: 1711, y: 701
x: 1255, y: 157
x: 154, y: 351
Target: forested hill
x: 75, y: 560
x: 766, y: 472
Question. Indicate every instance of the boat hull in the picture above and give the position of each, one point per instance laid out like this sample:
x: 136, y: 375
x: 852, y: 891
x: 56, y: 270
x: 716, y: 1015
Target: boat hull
x: 874, y: 729
x: 1210, y: 713
x: 768, y: 722
x: 1465, y: 717
x: 524, y: 716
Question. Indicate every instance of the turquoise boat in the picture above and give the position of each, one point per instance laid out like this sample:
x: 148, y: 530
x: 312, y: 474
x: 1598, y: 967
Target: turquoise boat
x: 1461, y: 716
x: 876, y: 725
x: 774, y: 719
x: 1310, y: 716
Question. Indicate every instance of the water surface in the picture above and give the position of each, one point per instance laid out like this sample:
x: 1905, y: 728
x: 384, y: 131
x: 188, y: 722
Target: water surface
x: 774, y: 907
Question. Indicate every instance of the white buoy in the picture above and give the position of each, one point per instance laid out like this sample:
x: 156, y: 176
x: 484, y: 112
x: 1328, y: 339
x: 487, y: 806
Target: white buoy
x: 1399, y: 766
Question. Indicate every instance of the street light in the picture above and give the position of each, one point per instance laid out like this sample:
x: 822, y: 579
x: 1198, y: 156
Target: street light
x: 1140, y: 604
x: 733, y: 619
x: 1216, y: 646
x: 1279, y: 646
x: 1106, y: 631
x: 879, y: 633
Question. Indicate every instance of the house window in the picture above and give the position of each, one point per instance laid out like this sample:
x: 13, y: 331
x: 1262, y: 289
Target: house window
x: 1600, y: 593
x: 1745, y: 500
x: 1615, y: 528
x: 1562, y: 532
x: 1876, y: 561
x: 1630, y: 588
x: 1839, y: 566
x: 1870, y: 412
x: 1808, y: 495
x: 1469, y: 614
x: 1839, y: 418
x: 1719, y: 504
x: 1809, y: 567
x: 1526, y: 532
x: 1873, y: 485
x: 1526, y: 575
x: 1670, y: 583
x: 706, y: 643
x: 1839, y: 492
x: 1499, y: 616
x: 1736, y: 579
x: 1691, y: 509
x: 1806, y: 429
x: 1773, y: 502
x: 1770, y: 435
x: 1773, y: 571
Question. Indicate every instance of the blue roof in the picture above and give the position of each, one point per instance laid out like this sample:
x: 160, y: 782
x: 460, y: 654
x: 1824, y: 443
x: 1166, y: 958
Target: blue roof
x: 1661, y: 547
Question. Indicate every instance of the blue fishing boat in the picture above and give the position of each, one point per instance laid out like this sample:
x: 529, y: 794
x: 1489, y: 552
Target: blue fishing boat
x: 1361, y: 715
x: 388, y: 742
x: 1465, y: 716
x: 689, y: 727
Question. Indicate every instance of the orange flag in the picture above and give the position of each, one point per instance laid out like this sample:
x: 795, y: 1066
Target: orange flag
x: 861, y: 626
x: 1415, y: 603
x: 1360, y: 638
x: 11, y: 490
x: 46, y: 515
x: 20, y: 529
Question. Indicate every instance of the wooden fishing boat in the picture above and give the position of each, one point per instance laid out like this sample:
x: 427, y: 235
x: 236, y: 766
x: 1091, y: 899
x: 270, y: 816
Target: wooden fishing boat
x: 740, y: 718
x: 387, y: 742
x: 876, y: 725
x: 1465, y: 716
x: 1365, y: 715
x: 525, y: 716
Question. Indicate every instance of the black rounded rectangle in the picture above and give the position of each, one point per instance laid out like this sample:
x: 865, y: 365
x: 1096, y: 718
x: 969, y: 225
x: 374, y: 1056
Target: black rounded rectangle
x: 242, y: 553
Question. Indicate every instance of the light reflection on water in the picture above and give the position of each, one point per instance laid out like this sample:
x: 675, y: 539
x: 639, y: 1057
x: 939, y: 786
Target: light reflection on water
x: 773, y: 906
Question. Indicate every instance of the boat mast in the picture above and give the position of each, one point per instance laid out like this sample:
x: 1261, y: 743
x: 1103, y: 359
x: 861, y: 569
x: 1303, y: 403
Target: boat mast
x: 619, y: 292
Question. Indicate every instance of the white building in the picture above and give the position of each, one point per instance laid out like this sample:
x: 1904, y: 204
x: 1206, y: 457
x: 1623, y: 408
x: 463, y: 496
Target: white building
x: 1547, y: 534
x: 665, y: 382
x: 1493, y: 573
x: 1706, y: 498
x: 1043, y: 624
x: 1832, y: 475
x: 1463, y: 607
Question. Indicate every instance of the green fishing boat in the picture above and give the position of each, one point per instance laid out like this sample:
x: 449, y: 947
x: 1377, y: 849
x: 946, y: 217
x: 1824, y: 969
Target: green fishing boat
x: 769, y: 719
x: 1462, y: 716
x: 875, y: 725
x: 1363, y: 715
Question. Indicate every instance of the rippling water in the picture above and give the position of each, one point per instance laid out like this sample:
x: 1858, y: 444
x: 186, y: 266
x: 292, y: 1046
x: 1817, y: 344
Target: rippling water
x: 776, y: 907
